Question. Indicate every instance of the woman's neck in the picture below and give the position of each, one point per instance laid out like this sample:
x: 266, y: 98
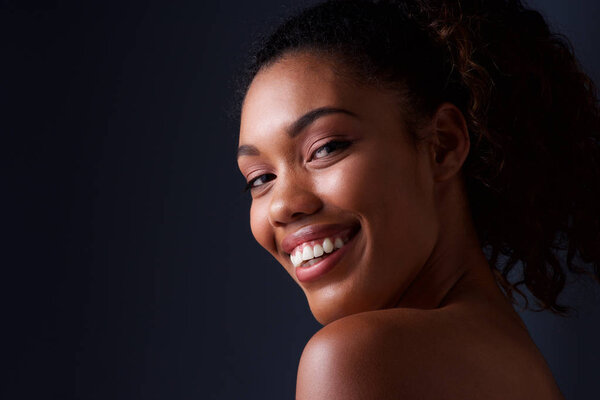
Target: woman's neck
x: 457, y: 264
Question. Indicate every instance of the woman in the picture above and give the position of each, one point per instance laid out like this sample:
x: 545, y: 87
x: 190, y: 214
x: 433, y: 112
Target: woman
x: 412, y: 164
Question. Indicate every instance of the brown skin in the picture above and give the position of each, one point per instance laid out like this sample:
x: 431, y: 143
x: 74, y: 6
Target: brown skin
x: 412, y: 309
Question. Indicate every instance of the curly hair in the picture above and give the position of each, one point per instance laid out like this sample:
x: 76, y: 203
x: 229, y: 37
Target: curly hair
x: 533, y: 172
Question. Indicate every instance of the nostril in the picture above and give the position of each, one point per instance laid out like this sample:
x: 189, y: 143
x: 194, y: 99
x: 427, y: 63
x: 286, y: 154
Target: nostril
x: 297, y: 215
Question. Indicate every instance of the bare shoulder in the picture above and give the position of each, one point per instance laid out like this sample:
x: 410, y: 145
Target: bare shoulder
x: 404, y: 354
x: 371, y: 355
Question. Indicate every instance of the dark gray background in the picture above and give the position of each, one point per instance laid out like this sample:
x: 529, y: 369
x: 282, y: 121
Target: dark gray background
x: 128, y: 268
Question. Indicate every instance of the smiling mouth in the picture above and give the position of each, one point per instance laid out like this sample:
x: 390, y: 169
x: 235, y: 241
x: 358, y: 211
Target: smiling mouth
x: 314, y: 251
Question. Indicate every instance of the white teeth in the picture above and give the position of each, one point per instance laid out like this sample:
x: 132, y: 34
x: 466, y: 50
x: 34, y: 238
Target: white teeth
x: 296, y: 259
x: 310, y: 253
x: 307, y: 253
x: 313, y: 261
x: 327, y: 245
x: 318, y: 250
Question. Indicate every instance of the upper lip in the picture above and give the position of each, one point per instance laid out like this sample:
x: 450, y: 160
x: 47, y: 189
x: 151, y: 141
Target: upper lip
x: 313, y: 232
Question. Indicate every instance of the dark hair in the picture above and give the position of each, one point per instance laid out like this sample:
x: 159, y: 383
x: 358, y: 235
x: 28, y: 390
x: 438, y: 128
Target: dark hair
x: 533, y: 173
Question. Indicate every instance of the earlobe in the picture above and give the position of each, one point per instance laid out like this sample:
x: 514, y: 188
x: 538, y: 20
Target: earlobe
x: 450, y: 141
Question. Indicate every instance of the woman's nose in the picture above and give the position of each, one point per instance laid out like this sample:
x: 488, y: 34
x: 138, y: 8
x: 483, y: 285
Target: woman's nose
x: 292, y: 199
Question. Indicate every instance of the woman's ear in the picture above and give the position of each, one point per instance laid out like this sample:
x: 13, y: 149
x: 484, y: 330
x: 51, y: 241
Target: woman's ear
x: 449, y: 142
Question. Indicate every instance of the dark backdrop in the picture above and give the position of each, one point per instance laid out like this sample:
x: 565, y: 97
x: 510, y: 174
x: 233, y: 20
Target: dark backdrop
x: 128, y: 268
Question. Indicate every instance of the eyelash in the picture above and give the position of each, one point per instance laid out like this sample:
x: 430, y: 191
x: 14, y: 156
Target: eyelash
x: 336, y: 144
x: 250, y: 184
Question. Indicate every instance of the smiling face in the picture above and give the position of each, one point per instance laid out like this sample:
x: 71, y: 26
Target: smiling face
x: 328, y: 159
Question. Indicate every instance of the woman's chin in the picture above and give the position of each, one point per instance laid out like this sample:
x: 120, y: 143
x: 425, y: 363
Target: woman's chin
x: 329, y: 309
x: 329, y: 316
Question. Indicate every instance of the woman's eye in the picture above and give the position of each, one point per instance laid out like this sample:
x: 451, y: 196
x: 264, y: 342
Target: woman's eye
x: 259, y: 181
x: 328, y: 148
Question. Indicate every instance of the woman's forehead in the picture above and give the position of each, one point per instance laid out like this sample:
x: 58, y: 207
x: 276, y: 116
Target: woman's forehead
x: 294, y: 80
x: 295, y: 85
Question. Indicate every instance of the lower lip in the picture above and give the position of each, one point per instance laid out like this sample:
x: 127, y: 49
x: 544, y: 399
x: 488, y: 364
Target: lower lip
x: 315, y: 271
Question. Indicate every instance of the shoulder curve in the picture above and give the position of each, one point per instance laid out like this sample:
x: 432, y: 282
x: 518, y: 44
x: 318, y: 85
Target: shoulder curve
x: 356, y: 357
x: 425, y: 354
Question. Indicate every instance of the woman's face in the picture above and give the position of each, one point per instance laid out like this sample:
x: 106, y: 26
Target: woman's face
x: 340, y: 195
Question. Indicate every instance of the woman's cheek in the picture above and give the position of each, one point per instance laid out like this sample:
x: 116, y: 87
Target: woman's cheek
x: 351, y: 185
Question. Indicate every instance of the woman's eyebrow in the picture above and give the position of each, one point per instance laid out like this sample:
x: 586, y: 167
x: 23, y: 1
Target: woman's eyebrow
x: 312, y: 116
x: 247, y: 150
x: 298, y: 126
